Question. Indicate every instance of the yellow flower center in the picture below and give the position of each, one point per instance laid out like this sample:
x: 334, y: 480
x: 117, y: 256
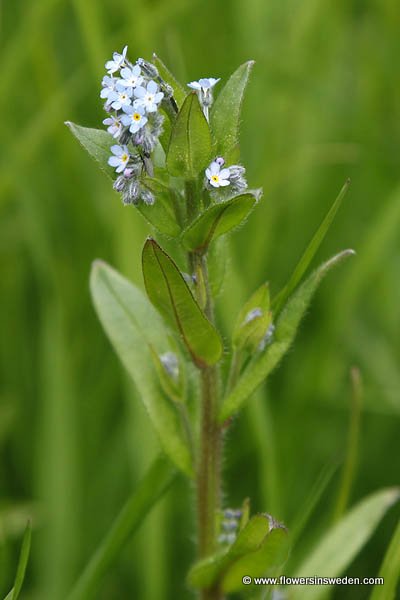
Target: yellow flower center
x: 124, y: 157
x: 215, y: 178
x: 136, y: 116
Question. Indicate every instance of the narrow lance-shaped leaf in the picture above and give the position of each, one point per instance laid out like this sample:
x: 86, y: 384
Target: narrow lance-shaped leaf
x: 389, y: 571
x: 217, y: 220
x: 168, y: 77
x: 152, y: 487
x: 96, y: 142
x: 171, y: 295
x: 288, y: 322
x: 225, y: 113
x: 310, y: 251
x: 125, y: 314
x: 190, y: 144
x: 343, y: 541
x: 22, y: 564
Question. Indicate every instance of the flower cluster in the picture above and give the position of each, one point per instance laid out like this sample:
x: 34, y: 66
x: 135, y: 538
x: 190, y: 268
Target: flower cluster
x: 132, y: 94
x: 217, y: 176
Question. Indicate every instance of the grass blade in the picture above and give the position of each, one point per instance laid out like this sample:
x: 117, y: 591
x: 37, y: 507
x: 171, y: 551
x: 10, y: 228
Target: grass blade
x: 343, y: 541
x: 154, y: 484
x: 349, y: 466
x: 22, y: 564
x: 310, y: 251
x: 390, y: 570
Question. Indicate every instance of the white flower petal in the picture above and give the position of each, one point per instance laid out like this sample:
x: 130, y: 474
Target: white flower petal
x: 214, y: 168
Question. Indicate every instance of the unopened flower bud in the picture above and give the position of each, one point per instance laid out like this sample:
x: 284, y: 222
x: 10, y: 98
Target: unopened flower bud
x: 148, y: 68
x: 220, y: 161
x: 170, y: 363
x: 147, y: 196
x: 119, y: 183
x: 128, y: 173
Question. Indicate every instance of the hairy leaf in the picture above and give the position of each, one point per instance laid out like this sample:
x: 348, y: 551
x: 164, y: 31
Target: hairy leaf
x: 96, y: 142
x: 190, y: 144
x: 171, y: 295
x: 168, y: 77
x: 161, y: 215
x: 272, y: 554
x: 255, y: 545
x: 225, y: 113
x: 264, y: 362
x: 125, y: 314
x: 217, y: 220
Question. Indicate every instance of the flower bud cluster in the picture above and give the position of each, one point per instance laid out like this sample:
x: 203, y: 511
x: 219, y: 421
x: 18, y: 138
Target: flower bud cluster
x: 133, y: 94
x: 229, y: 525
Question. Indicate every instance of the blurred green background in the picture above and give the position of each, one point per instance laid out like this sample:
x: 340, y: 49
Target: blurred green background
x: 323, y: 105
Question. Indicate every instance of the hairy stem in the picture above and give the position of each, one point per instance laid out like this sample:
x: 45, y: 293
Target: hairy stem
x: 209, y: 460
x: 209, y: 456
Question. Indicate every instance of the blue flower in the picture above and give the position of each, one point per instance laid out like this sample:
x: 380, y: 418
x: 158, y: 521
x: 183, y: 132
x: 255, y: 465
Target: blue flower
x: 120, y: 158
x: 114, y: 125
x: 134, y: 117
x: 121, y: 97
x: 204, y: 89
x: 117, y: 62
x: 108, y: 84
x: 204, y: 84
x: 217, y: 177
x: 131, y: 78
x: 148, y: 97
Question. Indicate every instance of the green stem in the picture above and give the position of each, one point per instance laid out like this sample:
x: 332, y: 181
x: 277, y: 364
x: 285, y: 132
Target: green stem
x: 209, y: 456
x: 209, y: 459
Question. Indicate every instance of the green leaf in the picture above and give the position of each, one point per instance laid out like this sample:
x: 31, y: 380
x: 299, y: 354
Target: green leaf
x: 161, y: 215
x: 265, y: 361
x: 389, y: 571
x: 310, y: 251
x: 152, y: 487
x: 253, y: 321
x: 307, y: 508
x: 22, y: 564
x: 166, y: 75
x: 343, y: 541
x: 272, y: 554
x: 225, y: 113
x: 257, y: 548
x: 96, y: 142
x: 125, y: 314
x: 217, y: 220
x: 170, y: 294
x: 190, y: 144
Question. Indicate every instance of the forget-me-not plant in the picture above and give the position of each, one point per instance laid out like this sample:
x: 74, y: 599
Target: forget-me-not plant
x: 175, y: 155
